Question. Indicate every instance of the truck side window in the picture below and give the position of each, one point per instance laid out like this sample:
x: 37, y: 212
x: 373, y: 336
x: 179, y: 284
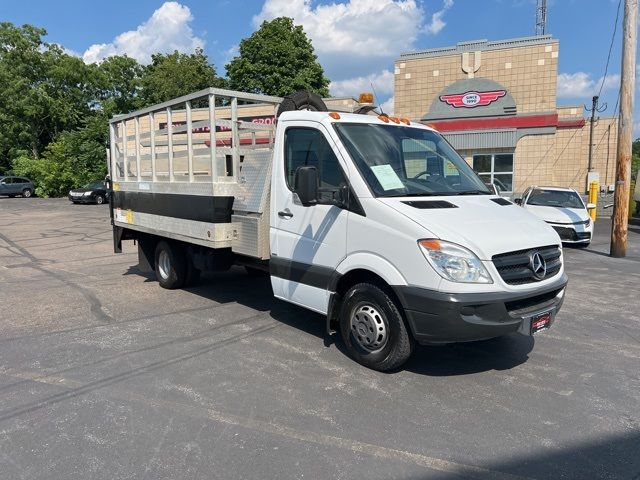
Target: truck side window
x: 307, y: 146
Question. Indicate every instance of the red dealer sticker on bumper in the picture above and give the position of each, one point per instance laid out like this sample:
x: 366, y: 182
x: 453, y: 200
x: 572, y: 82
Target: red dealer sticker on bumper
x: 541, y: 322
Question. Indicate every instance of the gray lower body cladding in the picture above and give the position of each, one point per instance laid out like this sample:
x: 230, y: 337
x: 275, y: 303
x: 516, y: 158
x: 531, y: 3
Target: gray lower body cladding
x: 437, y: 317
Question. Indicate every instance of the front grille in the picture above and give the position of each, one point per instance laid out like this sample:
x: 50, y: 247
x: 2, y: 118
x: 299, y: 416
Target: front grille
x: 565, y: 233
x: 515, y: 267
x: 570, y: 234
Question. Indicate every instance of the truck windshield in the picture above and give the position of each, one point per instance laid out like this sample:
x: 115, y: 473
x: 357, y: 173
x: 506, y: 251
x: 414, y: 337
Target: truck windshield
x: 401, y: 161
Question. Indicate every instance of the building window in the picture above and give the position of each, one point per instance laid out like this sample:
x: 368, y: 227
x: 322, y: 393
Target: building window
x: 496, y: 168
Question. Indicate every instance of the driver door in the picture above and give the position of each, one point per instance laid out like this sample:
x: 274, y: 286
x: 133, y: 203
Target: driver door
x: 307, y: 243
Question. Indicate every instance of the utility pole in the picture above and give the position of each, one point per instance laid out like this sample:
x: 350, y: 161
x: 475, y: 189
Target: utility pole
x: 625, y: 131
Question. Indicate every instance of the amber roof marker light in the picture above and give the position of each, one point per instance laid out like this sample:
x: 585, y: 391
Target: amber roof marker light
x: 334, y: 115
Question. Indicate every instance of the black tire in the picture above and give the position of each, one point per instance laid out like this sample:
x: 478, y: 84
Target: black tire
x: 11, y: 196
x: 99, y: 199
x: 26, y: 193
x: 302, y: 101
x: 399, y: 343
x: 171, y: 270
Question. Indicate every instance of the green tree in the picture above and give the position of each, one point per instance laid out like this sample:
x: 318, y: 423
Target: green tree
x: 75, y: 158
x: 277, y: 59
x: 176, y: 74
x: 119, y: 85
x: 43, y: 91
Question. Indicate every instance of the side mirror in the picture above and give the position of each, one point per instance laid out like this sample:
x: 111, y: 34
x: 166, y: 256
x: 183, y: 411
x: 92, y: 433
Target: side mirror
x: 591, y: 206
x: 518, y: 201
x: 306, y: 185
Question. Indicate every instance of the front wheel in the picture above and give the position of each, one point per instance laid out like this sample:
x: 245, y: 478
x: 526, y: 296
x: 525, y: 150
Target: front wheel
x: 373, y: 329
x: 171, y: 267
x: 99, y: 199
x: 26, y: 193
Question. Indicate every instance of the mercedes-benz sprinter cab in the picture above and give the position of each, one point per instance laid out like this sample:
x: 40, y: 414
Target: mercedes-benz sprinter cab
x: 428, y: 252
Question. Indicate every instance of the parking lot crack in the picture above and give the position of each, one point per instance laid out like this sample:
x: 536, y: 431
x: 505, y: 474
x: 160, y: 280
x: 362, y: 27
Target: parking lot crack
x: 95, y: 305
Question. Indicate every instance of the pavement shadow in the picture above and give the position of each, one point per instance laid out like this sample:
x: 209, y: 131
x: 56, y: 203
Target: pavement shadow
x: 609, y: 457
x: 447, y: 360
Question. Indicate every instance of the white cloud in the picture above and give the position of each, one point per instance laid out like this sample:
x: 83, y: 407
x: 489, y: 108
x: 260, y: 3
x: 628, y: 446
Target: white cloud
x: 354, y: 38
x: 167, y: 30
x: 580, y: 84
x: 382, y: 83
x: 231, y: 52
x: 437, y: 23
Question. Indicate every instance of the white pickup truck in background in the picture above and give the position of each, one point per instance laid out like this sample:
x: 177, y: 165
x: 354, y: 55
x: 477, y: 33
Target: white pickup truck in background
x: 374, y: 221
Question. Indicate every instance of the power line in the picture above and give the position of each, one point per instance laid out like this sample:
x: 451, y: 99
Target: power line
x: 613, y: 37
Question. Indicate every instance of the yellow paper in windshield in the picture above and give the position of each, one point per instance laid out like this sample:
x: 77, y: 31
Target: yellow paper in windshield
x: 387, y: 177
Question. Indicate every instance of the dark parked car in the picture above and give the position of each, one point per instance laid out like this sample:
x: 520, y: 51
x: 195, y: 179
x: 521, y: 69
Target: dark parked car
x: 94, y: 192
x: 13, y: 186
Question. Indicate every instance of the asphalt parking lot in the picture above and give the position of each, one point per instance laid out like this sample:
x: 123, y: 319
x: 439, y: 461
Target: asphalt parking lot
x: 105, y: 375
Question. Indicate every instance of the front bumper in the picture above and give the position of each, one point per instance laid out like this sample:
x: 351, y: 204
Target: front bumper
x: 437, y: 317
x: 82, y: 199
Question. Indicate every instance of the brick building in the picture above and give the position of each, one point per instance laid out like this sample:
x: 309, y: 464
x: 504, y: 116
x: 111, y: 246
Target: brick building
x: 496, y: 103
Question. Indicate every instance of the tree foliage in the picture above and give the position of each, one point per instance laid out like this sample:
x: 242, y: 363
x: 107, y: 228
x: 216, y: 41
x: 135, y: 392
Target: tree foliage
x: 75, y: 158
x: 277, y: 59
x: 176, y: 74
x: 43, y: 92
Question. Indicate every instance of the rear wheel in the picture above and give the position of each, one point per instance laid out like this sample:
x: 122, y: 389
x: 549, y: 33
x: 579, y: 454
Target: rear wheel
x: 170, y: 265
x: 26, y: 193
x: 373, y: 329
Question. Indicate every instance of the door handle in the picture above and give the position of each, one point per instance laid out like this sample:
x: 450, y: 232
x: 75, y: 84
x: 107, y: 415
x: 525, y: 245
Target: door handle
x: 285, y: 214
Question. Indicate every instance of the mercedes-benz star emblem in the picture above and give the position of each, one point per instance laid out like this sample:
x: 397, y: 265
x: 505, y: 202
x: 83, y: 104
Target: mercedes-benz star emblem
x: 538, y: 266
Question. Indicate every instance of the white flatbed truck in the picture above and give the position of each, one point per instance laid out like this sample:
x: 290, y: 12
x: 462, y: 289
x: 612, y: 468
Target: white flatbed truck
x: 374, y: 221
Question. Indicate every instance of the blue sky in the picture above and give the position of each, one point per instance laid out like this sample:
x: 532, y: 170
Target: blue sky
x: 356, y: 40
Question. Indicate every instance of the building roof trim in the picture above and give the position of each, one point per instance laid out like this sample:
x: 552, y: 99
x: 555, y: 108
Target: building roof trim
x: 475, y: 45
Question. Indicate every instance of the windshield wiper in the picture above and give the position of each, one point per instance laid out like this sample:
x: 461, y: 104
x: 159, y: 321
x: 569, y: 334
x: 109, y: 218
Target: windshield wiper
x: 421, y: 194
x: 473, y: 192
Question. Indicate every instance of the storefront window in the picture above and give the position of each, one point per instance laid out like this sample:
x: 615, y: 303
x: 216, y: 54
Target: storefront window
x: 495, y: 168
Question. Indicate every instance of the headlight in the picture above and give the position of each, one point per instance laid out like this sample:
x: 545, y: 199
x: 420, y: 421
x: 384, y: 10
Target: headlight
x: 453, y: 262
x: 86, y: 194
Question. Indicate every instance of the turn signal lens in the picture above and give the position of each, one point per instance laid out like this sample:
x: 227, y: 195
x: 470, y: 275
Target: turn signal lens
x: 335, y: 115
x: 365, y: 97
x: 431, y: 244
x: 384, y: 118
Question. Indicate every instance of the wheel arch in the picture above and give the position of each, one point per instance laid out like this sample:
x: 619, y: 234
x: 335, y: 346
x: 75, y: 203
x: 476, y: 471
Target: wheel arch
x: 363, y: 268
